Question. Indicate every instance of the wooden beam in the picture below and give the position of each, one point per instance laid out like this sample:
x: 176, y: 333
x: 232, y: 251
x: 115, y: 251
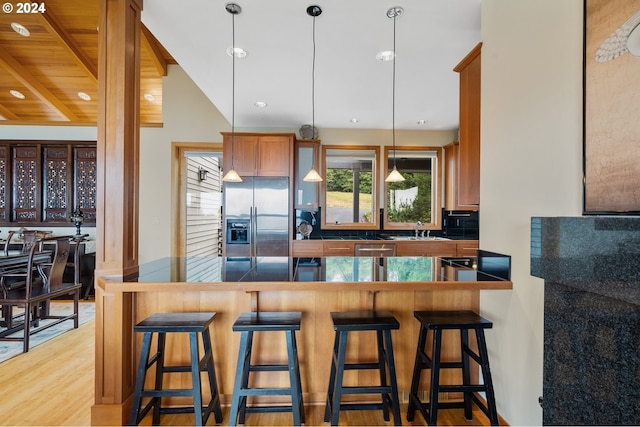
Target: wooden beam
x: 150, y: 43
x: 37, y: 88
x: 56, y: 29
x: 7, y: 114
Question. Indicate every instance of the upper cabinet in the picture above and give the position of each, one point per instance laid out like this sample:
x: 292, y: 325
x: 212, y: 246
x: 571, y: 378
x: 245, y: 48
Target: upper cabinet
x: 306, y: 157
x: 259, y: 154
x: 469, y: 150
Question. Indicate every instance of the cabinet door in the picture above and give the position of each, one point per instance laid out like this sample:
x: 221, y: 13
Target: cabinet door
x: 274, y: 155
x: 306, y: 157
x: 5, y: 181
x: 26, y: 176
x: 244, y: 155
x: 469, y: 162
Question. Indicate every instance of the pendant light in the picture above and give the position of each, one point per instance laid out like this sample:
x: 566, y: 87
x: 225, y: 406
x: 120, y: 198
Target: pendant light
x: 233, y: 9
x: 313, y: 175
x: 394, y: 176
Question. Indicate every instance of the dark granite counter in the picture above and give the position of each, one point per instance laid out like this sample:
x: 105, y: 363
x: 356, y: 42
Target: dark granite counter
x: 325, y: 269
x: 591, y: 318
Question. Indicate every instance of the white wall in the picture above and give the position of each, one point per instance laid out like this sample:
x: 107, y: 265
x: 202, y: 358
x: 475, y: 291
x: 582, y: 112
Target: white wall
x: 531, y: 165
x: 188, y: 116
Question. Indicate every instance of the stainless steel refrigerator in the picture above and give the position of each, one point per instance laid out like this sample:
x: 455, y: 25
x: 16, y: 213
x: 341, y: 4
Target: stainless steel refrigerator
x: 256, y: 217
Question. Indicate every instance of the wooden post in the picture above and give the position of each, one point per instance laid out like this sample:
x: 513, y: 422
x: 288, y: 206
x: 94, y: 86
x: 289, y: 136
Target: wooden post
x: 119, y: 29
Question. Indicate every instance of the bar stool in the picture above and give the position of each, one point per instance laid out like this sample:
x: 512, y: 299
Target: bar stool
x: 463, y: 321
x: 247, y: 324
x: 354, y: 321
x: 163, y: 323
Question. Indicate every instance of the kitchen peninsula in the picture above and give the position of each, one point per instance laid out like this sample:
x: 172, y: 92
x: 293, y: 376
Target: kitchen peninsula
x: 314, y: 286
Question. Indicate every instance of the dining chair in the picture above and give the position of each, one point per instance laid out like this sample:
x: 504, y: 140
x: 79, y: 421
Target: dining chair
x: 7, y: 242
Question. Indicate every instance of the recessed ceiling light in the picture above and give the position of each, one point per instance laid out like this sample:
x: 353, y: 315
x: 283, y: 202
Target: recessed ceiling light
x: 20, y: 29
x: 385, y: 55
x: 421, y: 122
x: 149, y: 97
x: 84, y: 96
x: 238, y: 51
x: 17, y: 94
x: 354, y: 120
x: 260, y: 104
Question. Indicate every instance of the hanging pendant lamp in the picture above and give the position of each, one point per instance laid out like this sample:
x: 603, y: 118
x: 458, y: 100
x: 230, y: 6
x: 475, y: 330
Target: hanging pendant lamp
x: 394, y: 175
x: 233, y: 9
x: 313, y: 175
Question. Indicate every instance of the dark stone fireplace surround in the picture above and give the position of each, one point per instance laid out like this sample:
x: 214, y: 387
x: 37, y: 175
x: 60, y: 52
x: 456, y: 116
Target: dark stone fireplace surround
x: 591, y: 272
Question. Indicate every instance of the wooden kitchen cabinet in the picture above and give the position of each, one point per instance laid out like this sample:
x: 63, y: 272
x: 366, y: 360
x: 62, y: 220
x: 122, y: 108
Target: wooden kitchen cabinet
x: 469, y: 148
x: 307, y: 248
x: 451, y: 200
x: 259, y: 154
x: 426, y: 248
x: 338, y: 248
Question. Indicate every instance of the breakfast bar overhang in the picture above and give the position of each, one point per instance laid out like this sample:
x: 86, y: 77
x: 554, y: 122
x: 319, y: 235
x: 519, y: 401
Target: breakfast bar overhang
x: 313, y: 286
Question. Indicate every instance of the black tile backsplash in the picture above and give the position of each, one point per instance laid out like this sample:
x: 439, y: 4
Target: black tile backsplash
x: 457, y: 225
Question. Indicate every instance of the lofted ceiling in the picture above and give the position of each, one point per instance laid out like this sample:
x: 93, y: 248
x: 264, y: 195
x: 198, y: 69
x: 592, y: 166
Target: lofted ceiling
x: 432, y: 37
x: 59, y: 59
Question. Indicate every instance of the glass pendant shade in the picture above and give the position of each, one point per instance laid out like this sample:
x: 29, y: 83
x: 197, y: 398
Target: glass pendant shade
x: 232, y: 176
x: 394, y: 176
x: 312, y: 176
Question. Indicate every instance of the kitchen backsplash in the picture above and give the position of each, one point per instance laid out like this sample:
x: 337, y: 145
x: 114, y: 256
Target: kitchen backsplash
x: 457, y: 225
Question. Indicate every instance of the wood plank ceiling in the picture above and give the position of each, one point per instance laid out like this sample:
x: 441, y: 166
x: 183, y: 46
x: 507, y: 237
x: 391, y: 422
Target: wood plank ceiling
x: 58, y: 61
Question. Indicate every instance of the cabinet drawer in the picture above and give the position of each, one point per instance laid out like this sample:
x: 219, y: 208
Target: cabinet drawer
x: 337, y: 248
x: 431, y: 248
x: 307, y: 248
x: 467, y: 248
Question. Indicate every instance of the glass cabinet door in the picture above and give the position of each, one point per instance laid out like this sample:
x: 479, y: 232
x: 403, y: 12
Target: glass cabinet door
x: 306, y: 157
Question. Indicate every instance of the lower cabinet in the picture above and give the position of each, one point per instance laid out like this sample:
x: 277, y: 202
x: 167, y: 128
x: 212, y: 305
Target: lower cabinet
x: 317, y: 248
x: 338, y: 248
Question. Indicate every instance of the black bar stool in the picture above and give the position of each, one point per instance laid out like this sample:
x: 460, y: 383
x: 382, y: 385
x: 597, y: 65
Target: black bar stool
x: 462, y: 321
x: 163, y: 323
x: 248, y: 323
x: 352, y: 321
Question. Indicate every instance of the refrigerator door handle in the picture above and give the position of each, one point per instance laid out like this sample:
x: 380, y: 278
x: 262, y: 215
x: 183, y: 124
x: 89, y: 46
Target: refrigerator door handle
x: 254, y: 228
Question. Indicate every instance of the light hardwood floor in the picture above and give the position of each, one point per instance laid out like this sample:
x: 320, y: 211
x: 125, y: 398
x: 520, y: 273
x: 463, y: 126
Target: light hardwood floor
x: 53, y: 385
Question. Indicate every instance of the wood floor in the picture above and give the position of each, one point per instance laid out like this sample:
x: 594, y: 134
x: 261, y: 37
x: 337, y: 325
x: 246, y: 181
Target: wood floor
x: 53, y: 385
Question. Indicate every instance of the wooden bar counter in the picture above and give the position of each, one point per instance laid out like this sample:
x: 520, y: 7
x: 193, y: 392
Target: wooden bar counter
x: 314, y: 286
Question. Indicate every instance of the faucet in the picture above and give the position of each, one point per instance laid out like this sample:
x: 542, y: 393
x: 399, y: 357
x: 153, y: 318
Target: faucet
x: 418, y: 225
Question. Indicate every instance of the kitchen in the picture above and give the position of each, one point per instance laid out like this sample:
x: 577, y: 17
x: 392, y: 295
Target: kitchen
x: 519, y: 175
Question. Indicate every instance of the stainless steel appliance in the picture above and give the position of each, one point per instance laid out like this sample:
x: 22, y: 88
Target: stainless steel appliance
x: 256, y: 217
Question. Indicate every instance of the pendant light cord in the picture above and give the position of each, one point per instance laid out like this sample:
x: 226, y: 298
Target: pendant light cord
x: 233, y: 87
x: 313, y: 83
x: 393, y: 94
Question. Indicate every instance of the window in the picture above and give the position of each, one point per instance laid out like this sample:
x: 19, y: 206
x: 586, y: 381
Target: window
x: 350, y: 187
x: 417, y: 198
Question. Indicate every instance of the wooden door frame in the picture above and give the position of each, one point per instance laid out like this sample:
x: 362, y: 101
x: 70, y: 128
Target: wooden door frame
x: 178, y: 189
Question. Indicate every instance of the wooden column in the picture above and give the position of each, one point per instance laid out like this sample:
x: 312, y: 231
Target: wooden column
x: 117, y: 203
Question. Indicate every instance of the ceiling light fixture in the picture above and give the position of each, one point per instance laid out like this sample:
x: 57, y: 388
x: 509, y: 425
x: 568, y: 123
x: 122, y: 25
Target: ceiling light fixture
x: 260, y: 104
x: 238, y: 52
x: 149, y: 97
x: 313, y: 175
x: 84, y: 96
x: 233, y: 9
x: 394, y: 176
x: 17, y: 94
x: 20, y: 29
